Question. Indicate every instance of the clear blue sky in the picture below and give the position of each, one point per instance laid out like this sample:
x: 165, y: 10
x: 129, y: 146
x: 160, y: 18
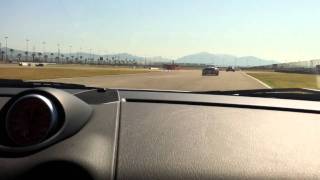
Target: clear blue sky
x: 272, y: 29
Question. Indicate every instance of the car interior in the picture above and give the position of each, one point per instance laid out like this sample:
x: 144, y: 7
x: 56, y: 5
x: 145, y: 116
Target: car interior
x: 96, y: 133
x: 159, y: 90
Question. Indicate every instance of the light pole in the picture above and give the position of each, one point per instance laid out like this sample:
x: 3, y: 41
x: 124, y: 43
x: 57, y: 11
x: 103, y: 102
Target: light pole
x: 145, y: 62
x: 43, y: 50
x: 27, y: 49
x: 80, y: 56
x: 6, y: 47
x: 58, y: 53
x: 92, y: 56
x: 79, y: 53
x: 43, y: 47
x: 34, y: 53
x: 70, y: 51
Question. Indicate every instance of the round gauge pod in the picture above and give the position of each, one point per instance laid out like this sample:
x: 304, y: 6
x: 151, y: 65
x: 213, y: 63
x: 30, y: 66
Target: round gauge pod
x: 30, y: 120
x: 39, y: 117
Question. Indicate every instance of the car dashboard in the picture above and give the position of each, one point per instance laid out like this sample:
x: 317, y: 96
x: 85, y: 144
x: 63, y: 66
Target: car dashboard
x: 136, y: 134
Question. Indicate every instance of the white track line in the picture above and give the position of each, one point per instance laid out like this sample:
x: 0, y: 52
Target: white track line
x: 264, y: 84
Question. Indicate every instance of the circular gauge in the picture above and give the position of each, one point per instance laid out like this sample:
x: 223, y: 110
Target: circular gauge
x: 30, y: 120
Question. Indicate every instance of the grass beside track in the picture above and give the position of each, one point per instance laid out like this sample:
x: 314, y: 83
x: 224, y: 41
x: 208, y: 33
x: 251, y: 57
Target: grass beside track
x: 37, y: 73
x: 288, y: 80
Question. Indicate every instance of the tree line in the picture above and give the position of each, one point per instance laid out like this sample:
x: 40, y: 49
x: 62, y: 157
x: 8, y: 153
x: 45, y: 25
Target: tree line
x: 60, y: 58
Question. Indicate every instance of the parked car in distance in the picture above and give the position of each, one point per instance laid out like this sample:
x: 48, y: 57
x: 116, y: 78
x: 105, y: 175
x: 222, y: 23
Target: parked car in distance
x: 210, y: 71
x: 230, y: 68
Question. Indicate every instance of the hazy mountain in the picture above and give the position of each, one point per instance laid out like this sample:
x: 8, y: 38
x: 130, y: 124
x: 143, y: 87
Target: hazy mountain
x: 158, y: 59
x: 223, y: 60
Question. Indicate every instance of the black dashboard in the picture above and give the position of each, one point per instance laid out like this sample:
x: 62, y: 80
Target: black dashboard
x: 49, y: 133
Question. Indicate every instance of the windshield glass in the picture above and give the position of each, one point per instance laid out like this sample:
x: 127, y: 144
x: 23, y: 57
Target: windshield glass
x: 188, y: 45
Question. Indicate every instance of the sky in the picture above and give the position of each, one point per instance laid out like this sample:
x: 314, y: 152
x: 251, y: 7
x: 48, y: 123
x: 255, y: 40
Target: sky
x: 283, y: 30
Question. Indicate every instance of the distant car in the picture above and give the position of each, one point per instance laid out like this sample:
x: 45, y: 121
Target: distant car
x: 210, y: 71
x: 40, y: 65
x: 230, y: 68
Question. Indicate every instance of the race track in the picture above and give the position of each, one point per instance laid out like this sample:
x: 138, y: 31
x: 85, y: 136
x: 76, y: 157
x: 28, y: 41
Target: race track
x: 187, y: 80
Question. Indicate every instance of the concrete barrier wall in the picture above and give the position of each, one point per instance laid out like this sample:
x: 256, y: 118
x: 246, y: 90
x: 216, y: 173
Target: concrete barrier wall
x: 310, y: 67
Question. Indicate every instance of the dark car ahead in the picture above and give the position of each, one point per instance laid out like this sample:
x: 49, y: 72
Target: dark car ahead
x: 230, y: 68
x: 210, y: 71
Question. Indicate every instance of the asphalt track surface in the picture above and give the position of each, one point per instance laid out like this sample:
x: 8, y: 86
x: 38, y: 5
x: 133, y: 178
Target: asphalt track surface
x: 186, y: 80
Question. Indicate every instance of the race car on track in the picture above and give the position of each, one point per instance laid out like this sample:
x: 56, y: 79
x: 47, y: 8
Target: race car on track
x: 210, y: 71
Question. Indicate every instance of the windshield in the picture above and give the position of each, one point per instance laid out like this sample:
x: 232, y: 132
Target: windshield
x: 205, y: 45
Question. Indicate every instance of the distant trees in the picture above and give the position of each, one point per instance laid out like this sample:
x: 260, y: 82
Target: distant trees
x: 26, y: 53
x: 100, y: 60
x: 62, y: 56
x: 39, y: 55
x: 11, y: 53
x: 45, y: 58
x: 36, y: 56
x: 19, y: 57
x: 57, y: 59
x: 2, y: 55
x: 33, y: 57
x: 51, y: 54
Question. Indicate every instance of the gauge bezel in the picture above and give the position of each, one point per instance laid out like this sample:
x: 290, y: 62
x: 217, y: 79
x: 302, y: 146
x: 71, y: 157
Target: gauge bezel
x: 73, y: 114
x: 53, y: 116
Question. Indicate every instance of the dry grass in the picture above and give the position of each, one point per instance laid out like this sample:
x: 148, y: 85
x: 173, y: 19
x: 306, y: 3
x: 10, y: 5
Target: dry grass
x: 288, y: 80
x: 36, y: 73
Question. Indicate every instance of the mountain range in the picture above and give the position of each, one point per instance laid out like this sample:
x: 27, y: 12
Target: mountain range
x: 197, y: 58
x: 223, y: 60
